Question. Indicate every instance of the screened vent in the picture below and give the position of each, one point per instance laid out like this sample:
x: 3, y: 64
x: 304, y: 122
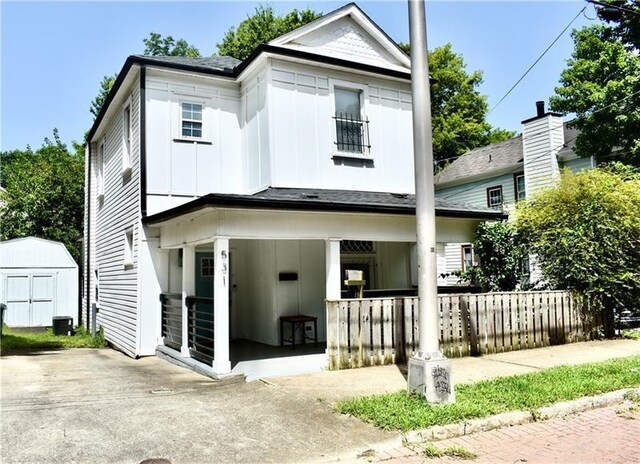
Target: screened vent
x: 356, y: 247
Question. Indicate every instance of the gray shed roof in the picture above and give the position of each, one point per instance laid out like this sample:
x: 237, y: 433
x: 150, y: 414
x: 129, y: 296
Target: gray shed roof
x: 326, y: 200
x: 483, y: 162
x: 210, y: 63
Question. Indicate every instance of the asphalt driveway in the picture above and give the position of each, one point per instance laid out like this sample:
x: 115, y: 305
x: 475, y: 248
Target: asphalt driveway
x: 88, y: 405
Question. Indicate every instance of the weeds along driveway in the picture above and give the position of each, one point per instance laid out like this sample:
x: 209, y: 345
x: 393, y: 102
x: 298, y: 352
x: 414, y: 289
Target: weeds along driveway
x: 88, y: 405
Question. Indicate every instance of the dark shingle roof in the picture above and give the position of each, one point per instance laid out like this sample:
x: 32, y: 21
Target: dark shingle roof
x: 209, y: 63
x: 325, y: 200
x: 483, y: 162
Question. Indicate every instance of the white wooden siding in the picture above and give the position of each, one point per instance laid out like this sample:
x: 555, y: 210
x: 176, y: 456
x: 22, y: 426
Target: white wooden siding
x: 475, y: 193
x: 117, y: 211
x: 301, y: 106
x: 579, y: 164
x: 542, y: 139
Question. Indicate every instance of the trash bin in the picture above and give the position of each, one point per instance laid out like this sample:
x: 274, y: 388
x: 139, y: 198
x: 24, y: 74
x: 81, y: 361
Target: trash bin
x: 62, y: 325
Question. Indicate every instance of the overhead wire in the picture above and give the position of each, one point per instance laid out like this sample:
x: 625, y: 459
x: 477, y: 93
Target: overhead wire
x: 537, y: 60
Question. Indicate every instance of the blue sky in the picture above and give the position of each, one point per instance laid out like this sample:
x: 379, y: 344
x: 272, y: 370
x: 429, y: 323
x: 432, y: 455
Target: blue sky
x: 54, y: 54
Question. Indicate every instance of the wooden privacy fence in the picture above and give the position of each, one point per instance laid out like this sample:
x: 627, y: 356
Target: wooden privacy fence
x: 370, y: 331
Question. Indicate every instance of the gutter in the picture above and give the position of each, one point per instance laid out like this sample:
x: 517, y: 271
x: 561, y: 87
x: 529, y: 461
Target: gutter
x: 88, y: 244
x: 239, y: 201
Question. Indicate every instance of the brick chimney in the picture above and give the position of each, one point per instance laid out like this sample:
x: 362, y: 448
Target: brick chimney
x: 542, y: 139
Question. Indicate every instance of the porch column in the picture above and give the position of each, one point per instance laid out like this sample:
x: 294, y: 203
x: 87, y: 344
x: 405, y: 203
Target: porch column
x: 188, y: 288
x: 221, y: 363
x: 332, y: 257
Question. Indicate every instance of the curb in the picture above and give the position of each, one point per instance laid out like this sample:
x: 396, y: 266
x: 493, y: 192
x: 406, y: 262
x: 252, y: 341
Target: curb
x: 508, y: 419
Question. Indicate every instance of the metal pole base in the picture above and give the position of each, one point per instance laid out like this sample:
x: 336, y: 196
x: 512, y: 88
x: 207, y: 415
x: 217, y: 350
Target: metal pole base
x: 430, y: 376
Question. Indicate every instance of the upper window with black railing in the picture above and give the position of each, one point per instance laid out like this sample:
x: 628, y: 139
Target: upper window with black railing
x: 352, y: 128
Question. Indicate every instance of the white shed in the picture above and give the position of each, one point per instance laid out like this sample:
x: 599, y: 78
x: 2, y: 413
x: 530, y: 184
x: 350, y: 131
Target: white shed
x: 39, y: 280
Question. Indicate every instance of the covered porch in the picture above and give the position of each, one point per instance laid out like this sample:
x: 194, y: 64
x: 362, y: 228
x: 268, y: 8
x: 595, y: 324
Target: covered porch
x: 233, y: 272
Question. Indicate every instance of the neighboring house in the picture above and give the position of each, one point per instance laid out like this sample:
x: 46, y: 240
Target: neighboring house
x: 254, y: 184
x: 498, y: 175
x: 38, y: 281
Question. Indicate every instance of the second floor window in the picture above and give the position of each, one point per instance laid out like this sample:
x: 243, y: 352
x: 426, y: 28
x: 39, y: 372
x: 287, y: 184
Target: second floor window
x: 100, y: 169
x: 126, y: 137
x: 519, y: 186
x: 494, y: 197
x: 191, y: 120
x: 351, y: 130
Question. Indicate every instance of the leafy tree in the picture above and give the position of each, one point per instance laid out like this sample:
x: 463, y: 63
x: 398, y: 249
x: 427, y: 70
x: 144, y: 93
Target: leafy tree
x: 263, y: 26
x: 458, y: 109
x: 626, y: 24
x: 156, y: 45
x: 502, y: 256
x: 44, y: 193
x: 105, y: 87
x: 601, y: 85
x: 586, y: 234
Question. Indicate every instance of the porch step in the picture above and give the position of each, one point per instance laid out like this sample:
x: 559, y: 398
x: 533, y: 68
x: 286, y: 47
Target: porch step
x: 277, y: 367
x: 174, y: 357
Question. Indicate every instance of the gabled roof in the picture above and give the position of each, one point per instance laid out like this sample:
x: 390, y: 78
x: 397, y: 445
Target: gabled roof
x: 492, y: 160
x: 296, y: 199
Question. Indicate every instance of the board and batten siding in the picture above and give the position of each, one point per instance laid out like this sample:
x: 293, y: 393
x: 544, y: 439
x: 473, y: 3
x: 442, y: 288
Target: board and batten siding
x: 302, y: 131
x: 117, y: 211
x: 180, y: 170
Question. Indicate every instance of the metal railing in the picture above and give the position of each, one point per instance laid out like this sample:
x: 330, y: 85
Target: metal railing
x: 201, y: 328
x: 352, y: 133
x: 171, y: 306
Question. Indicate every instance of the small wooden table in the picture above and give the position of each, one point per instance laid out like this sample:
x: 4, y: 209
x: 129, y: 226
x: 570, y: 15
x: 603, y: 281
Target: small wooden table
x: 298, y: 322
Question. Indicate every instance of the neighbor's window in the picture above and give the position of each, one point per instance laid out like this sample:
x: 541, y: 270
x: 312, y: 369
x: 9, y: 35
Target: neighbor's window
x: 126, y: 137
x: 351, y: 130
x: 100, y: 169
x: 128, y: 247
x: 494, y: 197
x: 467, y: 257
x: 519, y: 185
x: 191, y: 120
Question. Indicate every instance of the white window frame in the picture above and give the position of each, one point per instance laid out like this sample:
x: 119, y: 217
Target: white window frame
x: 473, y: 255
x: 127, y: 138
x: 364, y: 99
x: 181, y: 119
x: 515, y: 181
x: 489, y: 190
x: 128, y: 248
x: 100, y: 168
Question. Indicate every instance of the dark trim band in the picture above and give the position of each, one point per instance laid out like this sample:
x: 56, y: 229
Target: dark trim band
x: 143, y: 141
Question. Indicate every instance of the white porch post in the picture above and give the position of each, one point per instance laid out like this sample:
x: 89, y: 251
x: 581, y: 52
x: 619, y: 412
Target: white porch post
x: 221, y: 363
x: 332, y: 257
x: 188, y: 288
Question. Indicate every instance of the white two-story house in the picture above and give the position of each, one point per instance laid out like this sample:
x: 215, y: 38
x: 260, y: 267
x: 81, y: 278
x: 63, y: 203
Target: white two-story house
x: 223, y: 195
x: 500, y: 174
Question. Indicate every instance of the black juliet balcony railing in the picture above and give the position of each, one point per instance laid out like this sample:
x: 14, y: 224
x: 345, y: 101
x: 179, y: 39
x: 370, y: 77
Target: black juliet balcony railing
x: 352, y: 134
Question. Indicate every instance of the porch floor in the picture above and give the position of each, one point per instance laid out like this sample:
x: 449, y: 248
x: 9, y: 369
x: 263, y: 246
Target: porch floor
x: 247, y: 350
x: 257, y: 360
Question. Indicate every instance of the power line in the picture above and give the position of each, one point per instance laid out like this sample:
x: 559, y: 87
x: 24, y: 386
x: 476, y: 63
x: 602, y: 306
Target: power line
x: 613, y: 5
x: 536, y: 61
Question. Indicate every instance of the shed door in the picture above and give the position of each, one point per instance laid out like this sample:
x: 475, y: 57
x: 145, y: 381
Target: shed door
x: 30, y: 300
x: 18, y: 301
x: 42, y: 297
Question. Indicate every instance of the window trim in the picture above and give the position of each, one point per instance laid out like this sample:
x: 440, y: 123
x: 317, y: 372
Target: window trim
x: 473, y: 255
x: 364, y: 98
x: 127, y: 141
x: 496, y: 187
x: 515, y: 186
x: 128, y: 248
x: 209, y: 267
x: 100, y: 168
x: 189, y: 138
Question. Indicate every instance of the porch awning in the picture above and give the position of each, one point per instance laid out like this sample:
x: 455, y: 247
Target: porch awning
x: 294, y: 199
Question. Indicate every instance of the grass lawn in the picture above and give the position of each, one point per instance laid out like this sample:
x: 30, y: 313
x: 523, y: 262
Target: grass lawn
x: 16, y: 341
x: 400, y: 411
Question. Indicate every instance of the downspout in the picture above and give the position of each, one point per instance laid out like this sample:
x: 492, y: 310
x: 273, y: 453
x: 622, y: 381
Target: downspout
x: 88, y: 243
x: 143, y: 142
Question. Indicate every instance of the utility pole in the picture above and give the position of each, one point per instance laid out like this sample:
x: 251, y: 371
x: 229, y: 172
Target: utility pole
x: 429, y: 370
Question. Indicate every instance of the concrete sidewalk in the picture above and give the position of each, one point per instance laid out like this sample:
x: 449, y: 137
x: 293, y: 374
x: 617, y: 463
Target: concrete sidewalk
x: 100, y: 406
